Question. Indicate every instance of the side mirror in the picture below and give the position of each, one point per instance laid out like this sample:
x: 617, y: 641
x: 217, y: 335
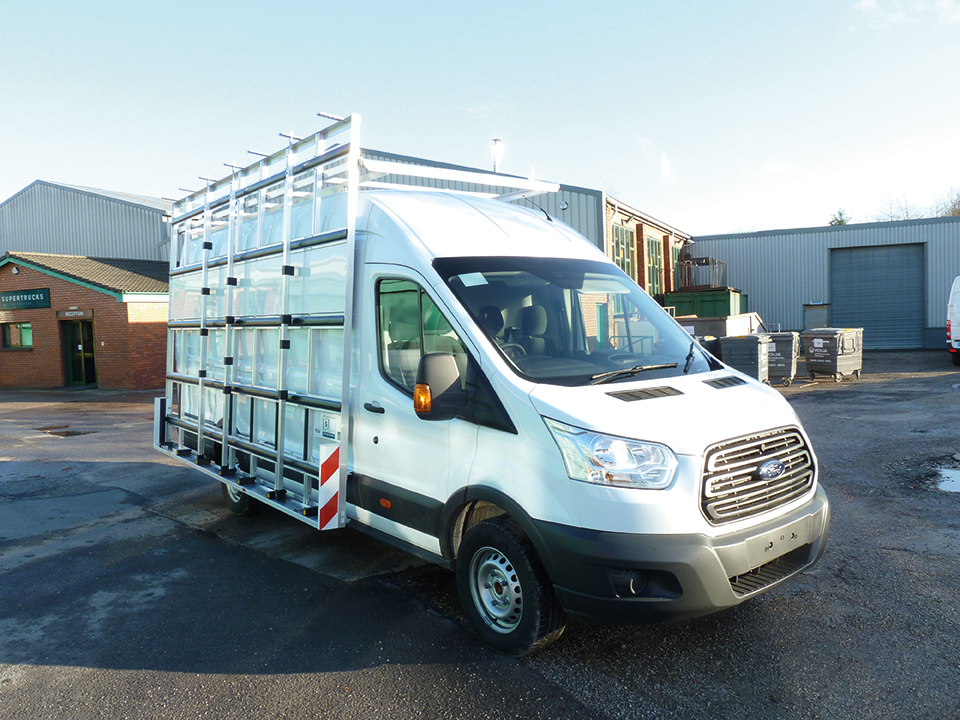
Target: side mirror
x: 438, y: 394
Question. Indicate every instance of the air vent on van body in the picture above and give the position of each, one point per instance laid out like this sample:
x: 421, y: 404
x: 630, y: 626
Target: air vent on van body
x: 725, y: 382
x: 645, y: 393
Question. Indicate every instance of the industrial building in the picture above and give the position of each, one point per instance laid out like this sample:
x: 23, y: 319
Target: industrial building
x: 83, y: 288
x: 890, y: 278
x: 60, y: 219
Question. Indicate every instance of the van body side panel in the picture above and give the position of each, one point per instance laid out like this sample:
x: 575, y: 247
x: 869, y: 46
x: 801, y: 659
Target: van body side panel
x: 410, y: 509
x: 953, y: 318
x: 526, y: 467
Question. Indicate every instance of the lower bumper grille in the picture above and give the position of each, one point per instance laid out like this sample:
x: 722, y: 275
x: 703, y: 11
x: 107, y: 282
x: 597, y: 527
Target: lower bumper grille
x: 771, y: 572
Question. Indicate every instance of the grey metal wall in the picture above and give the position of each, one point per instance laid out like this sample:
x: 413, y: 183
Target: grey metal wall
x: 783, y: 269
x: 584, y: 210
x: 50, y: 218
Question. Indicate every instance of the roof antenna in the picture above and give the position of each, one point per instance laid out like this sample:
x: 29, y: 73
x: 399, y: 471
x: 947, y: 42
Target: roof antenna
x: 545, y: 213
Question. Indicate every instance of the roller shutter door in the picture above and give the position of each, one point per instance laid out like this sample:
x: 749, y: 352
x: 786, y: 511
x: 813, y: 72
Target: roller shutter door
x: 880, y: 289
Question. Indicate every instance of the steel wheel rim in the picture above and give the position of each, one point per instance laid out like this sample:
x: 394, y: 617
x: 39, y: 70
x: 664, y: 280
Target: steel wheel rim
x: 235, y: 495
x: 495, y: 589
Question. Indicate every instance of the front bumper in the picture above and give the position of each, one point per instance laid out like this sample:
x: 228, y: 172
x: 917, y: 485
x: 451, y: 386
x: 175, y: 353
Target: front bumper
x: 626, y: 578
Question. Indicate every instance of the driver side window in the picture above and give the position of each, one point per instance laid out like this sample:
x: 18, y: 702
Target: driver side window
x: 409, y: 325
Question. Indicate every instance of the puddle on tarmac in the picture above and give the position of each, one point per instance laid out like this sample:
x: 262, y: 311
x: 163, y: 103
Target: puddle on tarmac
x: 61, y: 432
x: 949, y: 480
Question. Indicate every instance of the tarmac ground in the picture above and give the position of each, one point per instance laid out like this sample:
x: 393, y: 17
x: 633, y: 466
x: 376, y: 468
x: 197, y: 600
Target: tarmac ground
x: 128, y: 590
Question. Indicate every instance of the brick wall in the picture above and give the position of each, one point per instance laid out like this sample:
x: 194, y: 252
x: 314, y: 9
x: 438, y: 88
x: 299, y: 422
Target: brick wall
x: 146, y: 365
x: 667, y: 250
x: 129, y: 339
x: 641, y: 231
x: 643, y: 271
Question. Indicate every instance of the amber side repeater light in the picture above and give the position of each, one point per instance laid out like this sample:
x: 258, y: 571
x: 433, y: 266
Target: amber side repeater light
x: 422, y: 398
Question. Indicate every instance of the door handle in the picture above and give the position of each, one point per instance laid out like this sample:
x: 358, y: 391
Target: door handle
x: 374, y: 407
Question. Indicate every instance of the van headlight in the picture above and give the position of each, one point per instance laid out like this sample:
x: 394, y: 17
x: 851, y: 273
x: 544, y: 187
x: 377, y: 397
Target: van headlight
x: 609, y: 460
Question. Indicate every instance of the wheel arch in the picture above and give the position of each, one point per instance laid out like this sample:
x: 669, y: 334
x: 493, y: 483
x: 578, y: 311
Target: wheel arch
x: 471, y: 505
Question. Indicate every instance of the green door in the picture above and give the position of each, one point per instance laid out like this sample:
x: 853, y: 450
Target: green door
x: 78, y: 344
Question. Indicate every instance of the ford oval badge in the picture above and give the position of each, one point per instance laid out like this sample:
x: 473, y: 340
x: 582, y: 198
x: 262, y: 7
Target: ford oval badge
x: 772, y: 470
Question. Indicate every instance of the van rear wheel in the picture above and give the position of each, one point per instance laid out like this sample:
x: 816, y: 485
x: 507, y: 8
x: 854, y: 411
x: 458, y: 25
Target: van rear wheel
x: 504, y: 590
x: 238, y: 501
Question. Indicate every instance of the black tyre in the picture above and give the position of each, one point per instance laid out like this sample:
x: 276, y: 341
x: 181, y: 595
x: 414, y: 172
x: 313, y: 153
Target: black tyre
x: 239, y: 502
x: 956, y: 358
x: 504, y: 590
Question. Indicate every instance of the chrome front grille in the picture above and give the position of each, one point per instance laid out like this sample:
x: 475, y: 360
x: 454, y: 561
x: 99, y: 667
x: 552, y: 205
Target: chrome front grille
x: 733, y: 488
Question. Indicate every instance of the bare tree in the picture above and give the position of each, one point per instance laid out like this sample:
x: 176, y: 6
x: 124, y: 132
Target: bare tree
x: 948, y: 205
x: 899, y: 208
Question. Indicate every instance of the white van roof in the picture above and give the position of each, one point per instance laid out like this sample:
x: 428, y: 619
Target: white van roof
x: 451, y: 225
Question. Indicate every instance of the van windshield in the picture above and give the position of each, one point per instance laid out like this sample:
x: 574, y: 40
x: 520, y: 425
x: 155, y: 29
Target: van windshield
x: 571, y: 322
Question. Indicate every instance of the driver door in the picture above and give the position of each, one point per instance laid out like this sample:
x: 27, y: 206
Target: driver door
x: 404, y: 468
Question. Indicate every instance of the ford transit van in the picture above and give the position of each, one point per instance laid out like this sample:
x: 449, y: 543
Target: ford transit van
x: 473, y: 381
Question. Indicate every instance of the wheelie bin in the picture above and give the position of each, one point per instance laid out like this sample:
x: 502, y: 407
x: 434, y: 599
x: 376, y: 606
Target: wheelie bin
x: 836, y: 352
x: 783, y: 353
x: 748, y: 354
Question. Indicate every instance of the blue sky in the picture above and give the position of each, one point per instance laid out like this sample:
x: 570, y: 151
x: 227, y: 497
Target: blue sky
x: 713, y: 117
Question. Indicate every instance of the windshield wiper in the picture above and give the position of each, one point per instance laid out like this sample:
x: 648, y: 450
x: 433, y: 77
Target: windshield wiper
x: 627, y: 372
x: 690, y: 356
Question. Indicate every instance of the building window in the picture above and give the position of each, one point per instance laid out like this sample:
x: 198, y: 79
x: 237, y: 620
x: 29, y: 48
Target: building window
x: 623, y: 250
x: 654, y: 266
x: 674, y: 266
x: 16, y: 335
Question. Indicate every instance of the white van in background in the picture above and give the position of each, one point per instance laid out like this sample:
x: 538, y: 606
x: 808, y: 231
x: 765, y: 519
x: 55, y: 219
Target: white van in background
x: 953, y: 321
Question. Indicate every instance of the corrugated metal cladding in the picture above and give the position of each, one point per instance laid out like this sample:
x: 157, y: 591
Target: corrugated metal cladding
x: 861, y: 294
x: 51, y: 218
x: 583, y: 211
x: 781, y: 270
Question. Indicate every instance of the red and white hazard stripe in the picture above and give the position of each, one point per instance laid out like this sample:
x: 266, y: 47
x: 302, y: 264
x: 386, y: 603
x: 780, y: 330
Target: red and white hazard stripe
x: 328, y: 496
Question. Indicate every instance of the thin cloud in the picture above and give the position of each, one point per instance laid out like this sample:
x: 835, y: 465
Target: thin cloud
x: 667, y: 173
x: 889, y: 14
x: 650, y: 153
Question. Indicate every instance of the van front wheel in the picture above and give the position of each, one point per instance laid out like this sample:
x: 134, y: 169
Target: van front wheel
x: 504, y: 590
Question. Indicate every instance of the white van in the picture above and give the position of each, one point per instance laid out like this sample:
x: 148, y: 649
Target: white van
x: 475, y: 382
x: 953, y: 321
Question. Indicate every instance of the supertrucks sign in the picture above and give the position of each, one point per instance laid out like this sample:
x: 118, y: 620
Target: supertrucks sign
x: 20, y: 299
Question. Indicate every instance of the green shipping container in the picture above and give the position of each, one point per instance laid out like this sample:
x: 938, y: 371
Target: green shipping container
x: 707, y: 303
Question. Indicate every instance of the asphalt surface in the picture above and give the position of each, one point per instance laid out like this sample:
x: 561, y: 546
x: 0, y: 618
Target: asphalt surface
x: 128, y: 591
